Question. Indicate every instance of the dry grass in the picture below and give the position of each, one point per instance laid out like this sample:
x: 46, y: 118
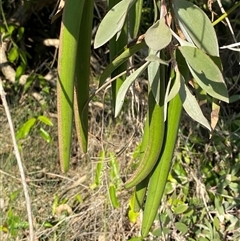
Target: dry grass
x: 65, y: 203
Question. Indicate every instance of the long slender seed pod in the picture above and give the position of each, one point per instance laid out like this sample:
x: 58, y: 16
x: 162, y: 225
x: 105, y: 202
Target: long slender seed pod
x: 81, y: 93
x: 156, y: 136
x: 158, y: 179
x: 140, y: 193
x: 156, y: 126
x: 71, y: 20
x: 141, y: 188
x: 135, y: 15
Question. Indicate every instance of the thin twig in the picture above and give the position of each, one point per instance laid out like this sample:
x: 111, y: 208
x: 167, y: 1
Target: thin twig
x: 228, y: 22
x: 19, y: 161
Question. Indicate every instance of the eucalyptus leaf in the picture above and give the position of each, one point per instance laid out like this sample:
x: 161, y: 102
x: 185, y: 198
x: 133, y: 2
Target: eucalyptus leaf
x: 125, y: 86
x: 112, y: 23
x: 175, y: 88
x: 191, y: 105
x: 158, y: 36
x: 154, y: 79
x: 205, y: 72
x: 196, y: 26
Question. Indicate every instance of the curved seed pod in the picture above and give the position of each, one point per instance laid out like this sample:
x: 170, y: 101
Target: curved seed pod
x: 140, y: 194
x: 160, y: 174
x: 71, y: 20
x: 81, y: 93
x: 134, y: 16
x: 156, y: 136
x: 141, y: 188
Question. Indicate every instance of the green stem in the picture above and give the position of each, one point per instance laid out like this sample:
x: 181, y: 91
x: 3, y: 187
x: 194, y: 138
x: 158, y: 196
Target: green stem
x: 226, y: 14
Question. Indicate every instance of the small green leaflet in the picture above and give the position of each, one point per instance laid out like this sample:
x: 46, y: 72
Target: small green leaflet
x: 205, y: 72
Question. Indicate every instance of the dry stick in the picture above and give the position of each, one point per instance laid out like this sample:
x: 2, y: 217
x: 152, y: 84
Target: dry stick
x: 229, y: 24
x: 19, y: 161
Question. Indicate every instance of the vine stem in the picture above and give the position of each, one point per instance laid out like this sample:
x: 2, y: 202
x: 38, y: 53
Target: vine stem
x: 19, y: 162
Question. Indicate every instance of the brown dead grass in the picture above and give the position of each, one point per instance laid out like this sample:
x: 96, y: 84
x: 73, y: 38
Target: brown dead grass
x: 92, y: 218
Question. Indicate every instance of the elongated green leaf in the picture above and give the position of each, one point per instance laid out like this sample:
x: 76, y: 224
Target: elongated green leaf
x: 125, y: 86
x: 158, y: 35
x: 156, y: 75
x: 25, y: 128
x: 154, y: 79
x: 132, y: 215
x: 205, y: 72
x: 128, y: 52
x: 99, y: 169
x: 191, y: 105
x: 196, y: 26
x: 45, y: 135
x: 44, y: 119
x: 115, y: 48
x: 175, y: 88
x: 114, y: 168
x: 113, y: 196
x: 112, y: 22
